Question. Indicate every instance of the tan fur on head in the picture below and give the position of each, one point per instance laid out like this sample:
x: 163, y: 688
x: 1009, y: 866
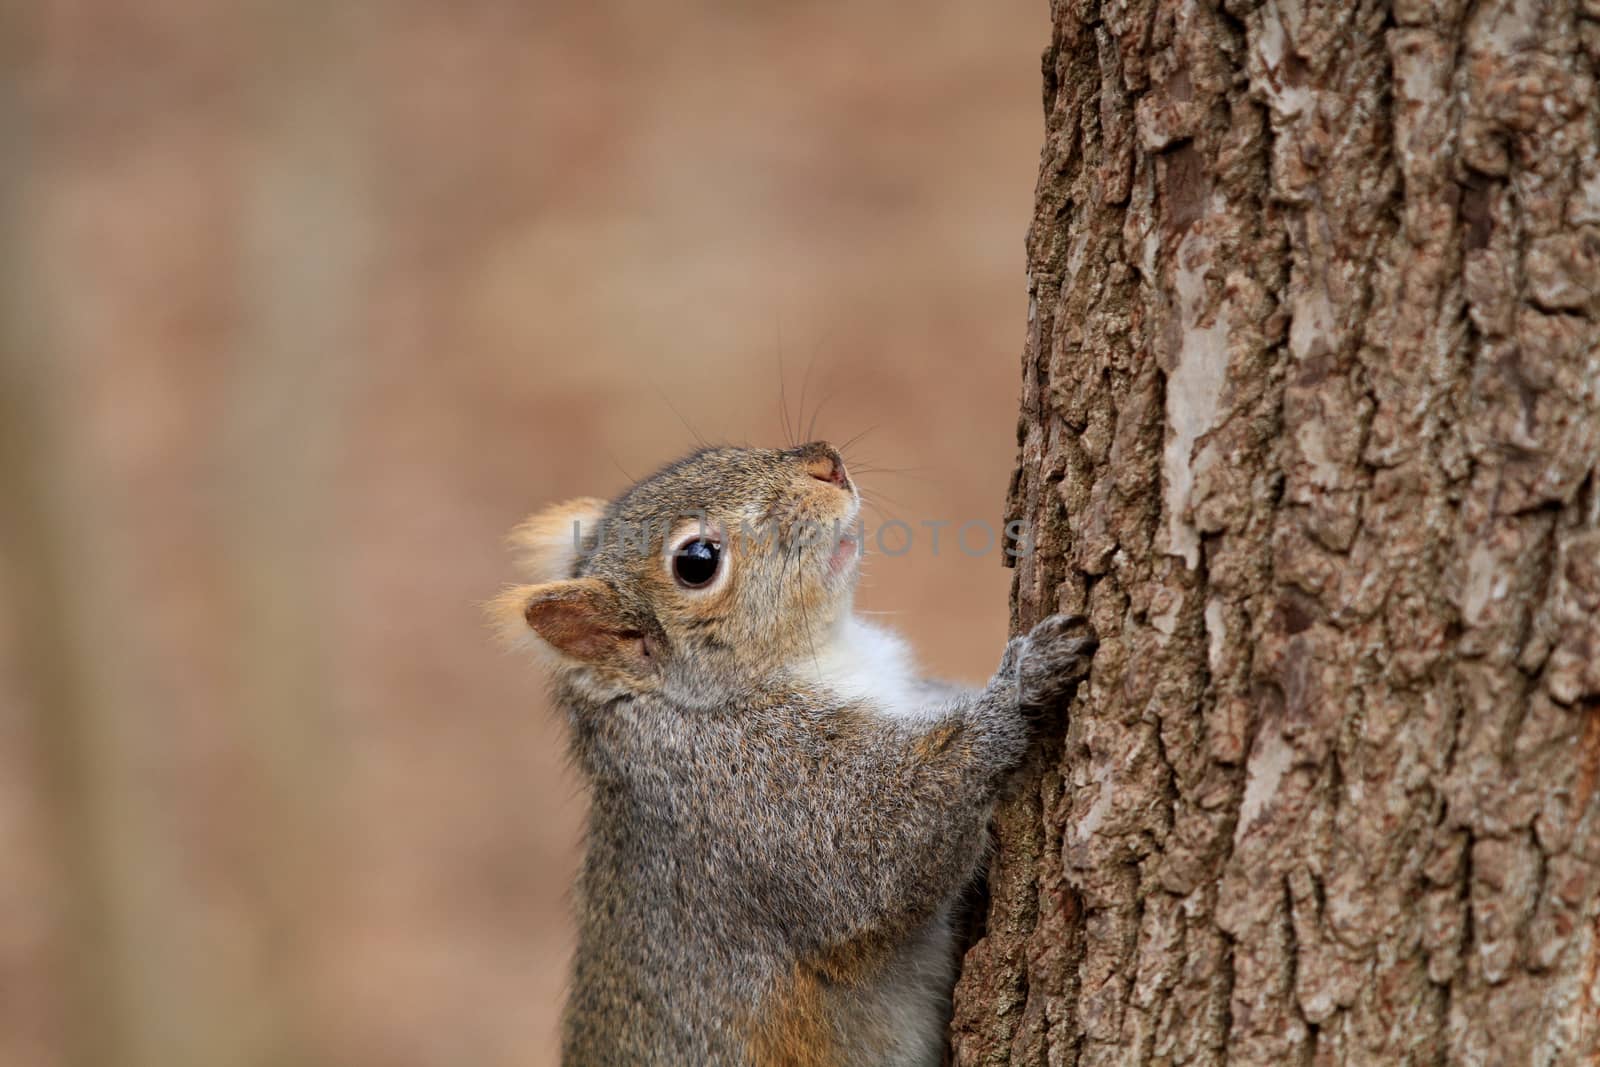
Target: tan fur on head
x: 546, y: 545
x: 507, y: 616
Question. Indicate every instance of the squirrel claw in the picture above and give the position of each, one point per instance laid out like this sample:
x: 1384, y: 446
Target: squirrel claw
x: 1053, y: 659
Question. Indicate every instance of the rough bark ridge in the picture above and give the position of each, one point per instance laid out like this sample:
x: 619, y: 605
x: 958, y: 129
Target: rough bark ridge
x: 1310, y: 426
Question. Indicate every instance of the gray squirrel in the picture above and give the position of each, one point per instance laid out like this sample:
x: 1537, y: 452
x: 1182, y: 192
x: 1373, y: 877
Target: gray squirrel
x: 784, y: 815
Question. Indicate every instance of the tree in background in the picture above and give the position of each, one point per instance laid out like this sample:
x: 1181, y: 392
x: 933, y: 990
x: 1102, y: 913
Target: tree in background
x: 1310, y: 428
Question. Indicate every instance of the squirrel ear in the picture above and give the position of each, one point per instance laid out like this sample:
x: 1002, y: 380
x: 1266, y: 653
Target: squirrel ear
x: 546, y: 545
x: 578, y: 618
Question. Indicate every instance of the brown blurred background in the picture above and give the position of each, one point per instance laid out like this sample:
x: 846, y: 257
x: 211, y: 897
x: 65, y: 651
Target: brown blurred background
x: 304, y: 304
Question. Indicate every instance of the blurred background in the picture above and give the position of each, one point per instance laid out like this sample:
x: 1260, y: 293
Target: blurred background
x: 302, y: 306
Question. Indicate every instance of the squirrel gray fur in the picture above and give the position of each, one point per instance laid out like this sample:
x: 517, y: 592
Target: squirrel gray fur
x: 784, y: 815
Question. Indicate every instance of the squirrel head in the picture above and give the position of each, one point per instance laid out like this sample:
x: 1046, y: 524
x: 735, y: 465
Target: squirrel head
x: 700, y: 581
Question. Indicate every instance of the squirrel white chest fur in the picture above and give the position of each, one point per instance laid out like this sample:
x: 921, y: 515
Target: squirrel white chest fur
x: 867, y: 663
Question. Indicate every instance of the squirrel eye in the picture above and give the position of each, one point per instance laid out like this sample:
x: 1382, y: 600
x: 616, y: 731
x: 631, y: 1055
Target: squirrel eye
x: 695, y: 564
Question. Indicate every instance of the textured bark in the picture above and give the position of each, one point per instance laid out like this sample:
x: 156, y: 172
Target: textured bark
x: 1310, y: 426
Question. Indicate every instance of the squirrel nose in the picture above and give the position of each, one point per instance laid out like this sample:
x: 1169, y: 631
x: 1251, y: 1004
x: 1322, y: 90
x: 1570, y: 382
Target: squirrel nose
x: 822, y: 461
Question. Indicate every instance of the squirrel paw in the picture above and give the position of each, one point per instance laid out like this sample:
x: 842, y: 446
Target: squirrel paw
x: 1050, y: 661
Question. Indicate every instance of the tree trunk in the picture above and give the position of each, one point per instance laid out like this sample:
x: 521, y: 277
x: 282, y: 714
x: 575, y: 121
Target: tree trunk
x: 1310, y: 427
